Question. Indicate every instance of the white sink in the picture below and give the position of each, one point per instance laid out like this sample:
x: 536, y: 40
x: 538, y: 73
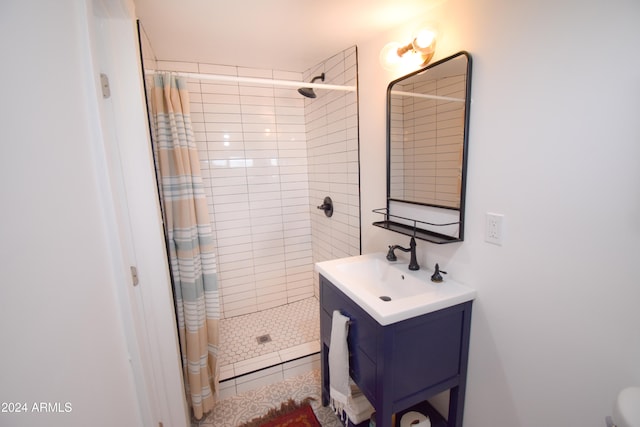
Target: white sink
x: 389, y: 291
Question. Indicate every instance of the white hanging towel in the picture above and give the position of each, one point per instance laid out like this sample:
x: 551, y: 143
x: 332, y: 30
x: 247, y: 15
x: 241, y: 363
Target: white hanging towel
x: 346, y: 399
x: 339, y: 389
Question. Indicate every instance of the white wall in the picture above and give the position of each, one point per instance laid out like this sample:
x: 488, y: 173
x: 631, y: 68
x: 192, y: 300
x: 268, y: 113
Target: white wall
x: 61, y: 331
x: 555, y: 147
x: 332, y: 144
x: 80, y: 344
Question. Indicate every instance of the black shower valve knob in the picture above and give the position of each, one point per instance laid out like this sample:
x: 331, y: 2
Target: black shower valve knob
x: 327, y: 206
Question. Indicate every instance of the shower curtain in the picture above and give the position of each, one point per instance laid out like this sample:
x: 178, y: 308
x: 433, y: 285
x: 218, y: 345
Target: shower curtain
x: 189, y: 238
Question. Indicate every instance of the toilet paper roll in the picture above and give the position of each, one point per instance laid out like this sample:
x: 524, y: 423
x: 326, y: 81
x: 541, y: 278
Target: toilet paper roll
x: 415, y: 419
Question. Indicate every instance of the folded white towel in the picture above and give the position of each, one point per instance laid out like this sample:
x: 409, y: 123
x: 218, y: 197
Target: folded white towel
x: 358, y: 407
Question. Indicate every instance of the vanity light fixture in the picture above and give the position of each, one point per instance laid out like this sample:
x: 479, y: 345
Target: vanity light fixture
x: 414, y: 54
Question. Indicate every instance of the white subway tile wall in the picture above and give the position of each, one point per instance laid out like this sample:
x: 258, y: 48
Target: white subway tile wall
x: 268, y: 158
x: 333, y: 143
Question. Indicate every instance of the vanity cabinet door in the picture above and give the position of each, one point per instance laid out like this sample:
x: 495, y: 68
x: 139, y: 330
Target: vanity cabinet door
x: 426, y: 351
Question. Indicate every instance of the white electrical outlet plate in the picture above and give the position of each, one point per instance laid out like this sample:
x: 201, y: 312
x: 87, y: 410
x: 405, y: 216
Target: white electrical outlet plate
x: 494, y: 228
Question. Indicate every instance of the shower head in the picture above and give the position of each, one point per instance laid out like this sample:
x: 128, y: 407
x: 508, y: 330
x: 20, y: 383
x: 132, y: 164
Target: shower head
x: 307, y: 91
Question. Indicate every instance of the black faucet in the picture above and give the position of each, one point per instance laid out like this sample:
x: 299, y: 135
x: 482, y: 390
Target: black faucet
x: 413, y: 264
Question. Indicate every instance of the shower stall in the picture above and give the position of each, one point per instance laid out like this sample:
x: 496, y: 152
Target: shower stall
x: 269, y: 156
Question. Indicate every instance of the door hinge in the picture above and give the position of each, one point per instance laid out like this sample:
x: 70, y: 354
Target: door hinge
x: 104, y: 83
x: 134, y: 276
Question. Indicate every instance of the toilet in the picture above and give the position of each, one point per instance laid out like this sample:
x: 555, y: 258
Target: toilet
x: 626, y: 410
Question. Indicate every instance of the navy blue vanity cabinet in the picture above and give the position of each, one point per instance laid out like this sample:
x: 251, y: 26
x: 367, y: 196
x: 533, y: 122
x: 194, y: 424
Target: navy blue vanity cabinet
x: 401, y: 365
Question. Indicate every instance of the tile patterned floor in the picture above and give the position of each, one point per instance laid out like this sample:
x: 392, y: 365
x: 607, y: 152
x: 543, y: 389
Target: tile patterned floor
x: 288, y: 325
x: 258, y: 376
x: 244, y: 407
x: 294, y: 330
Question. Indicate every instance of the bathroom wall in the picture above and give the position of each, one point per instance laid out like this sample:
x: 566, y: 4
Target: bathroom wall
x: 63, y: 323
x: 553, y: 145
x: 263, y: 152
x: 333, y: 143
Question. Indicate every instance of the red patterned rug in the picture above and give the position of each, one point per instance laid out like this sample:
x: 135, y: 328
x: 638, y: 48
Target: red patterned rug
x: 290, y: 414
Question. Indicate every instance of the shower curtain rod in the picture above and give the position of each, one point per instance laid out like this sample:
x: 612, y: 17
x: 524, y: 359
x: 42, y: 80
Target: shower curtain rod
x: 255, y: 80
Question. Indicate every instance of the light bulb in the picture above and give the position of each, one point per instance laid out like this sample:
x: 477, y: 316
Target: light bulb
x: 389, y: 58
x: 424, y: 38
x: 412, y: 59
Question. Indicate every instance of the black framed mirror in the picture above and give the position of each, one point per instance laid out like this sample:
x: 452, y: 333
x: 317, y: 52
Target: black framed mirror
x: 427, y: 145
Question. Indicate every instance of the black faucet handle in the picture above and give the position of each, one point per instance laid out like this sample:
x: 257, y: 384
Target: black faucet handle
x: 391, y: 256
x: 436, y: 276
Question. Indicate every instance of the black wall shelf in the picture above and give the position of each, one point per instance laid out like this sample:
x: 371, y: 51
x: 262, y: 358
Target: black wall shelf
x: 392, y: 223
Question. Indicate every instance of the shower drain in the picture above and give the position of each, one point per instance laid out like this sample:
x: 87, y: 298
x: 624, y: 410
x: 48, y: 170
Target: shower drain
x: 263, y: 339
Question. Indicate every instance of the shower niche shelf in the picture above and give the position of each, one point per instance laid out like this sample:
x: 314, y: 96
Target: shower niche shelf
x: 415, y: 228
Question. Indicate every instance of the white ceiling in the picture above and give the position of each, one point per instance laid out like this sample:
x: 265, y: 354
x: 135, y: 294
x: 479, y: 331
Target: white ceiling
x: 291, y: 35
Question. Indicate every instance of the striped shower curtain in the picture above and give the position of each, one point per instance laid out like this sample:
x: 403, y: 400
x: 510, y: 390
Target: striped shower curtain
x: 189, y: 238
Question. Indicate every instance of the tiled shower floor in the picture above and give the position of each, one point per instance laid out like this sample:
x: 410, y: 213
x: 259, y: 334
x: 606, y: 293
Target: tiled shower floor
x: 294, y: 330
